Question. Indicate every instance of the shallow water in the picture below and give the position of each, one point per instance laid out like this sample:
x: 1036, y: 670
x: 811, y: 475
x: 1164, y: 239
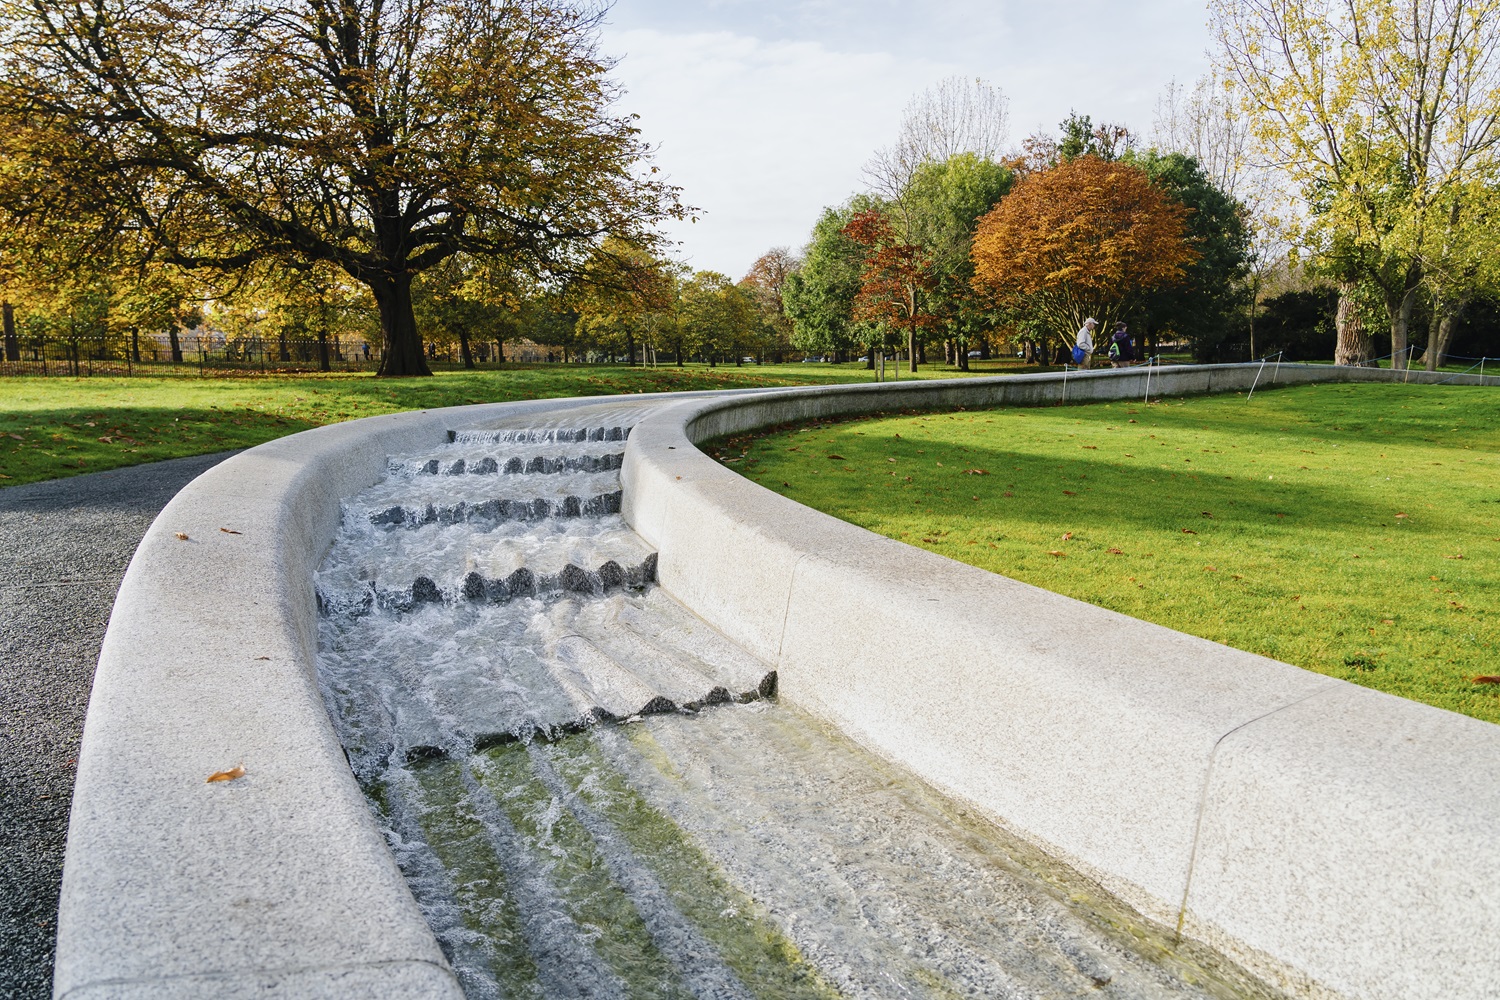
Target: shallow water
x: 593, y: 794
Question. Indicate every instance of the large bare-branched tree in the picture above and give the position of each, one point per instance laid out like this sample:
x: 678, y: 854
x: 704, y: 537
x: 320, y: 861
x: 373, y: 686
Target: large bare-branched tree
x: 380, y: 136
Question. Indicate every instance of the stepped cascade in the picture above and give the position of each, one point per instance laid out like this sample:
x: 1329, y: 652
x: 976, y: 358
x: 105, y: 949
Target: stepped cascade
x: 593, y: 793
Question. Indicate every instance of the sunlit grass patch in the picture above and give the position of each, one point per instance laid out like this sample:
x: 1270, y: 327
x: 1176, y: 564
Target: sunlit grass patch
x: 1349, y: 529
x: 54, y: 427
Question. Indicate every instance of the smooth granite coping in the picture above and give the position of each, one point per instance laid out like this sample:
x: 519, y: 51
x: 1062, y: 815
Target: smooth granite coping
x: 280, y: 885
x: 1337, y: 840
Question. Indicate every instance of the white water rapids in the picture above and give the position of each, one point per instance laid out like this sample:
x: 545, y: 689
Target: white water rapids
x: 595, y: 794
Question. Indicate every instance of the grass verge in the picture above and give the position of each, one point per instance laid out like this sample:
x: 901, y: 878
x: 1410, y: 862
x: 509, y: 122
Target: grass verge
x: 54, y: 427
x: 1353, y: 530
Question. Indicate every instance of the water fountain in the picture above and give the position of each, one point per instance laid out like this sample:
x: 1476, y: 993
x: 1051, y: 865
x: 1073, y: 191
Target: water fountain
x: 593, y: 793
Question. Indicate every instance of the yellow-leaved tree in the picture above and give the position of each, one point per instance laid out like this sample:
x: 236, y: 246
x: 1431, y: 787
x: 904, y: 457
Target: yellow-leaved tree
x: 1386, y: 115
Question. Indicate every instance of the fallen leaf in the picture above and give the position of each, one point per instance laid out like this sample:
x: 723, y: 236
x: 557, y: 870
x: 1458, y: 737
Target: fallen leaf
x: 1089, y: 447
x: 838, y: 458
x: 106, y: 439
x: 182, y: 536
x: 975, y: 472
x: 1487, y: 679
x: 238, y: 771
x: 1069, y: 493
x: 1115, y: 552
x: 1207, y: 514
x: 1459, y: 555
x: 1188, y: 531
x: 1210, y: 569
x: 262, y: 657
x: 1130, y: 456
x: 1056, y: 552
x: 1067, y: 535
x: 1403, y: 515
x: 231, y: 531
x: 1009, y: 493
x: 890, y: 459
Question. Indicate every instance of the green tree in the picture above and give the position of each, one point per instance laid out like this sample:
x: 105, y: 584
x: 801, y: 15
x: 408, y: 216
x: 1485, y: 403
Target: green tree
x: 819, y: 297
x: 1205, y: 306
x: 716, y: 315
x: 947, y: 198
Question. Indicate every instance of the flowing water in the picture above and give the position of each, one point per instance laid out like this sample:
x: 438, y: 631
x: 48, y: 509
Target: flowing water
x: 594, y: 794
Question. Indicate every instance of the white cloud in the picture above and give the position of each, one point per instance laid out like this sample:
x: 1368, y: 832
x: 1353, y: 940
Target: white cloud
x: 760, y: 135
x: 766, y: 110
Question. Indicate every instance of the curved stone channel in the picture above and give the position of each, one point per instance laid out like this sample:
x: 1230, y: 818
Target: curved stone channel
x: 592, y: 793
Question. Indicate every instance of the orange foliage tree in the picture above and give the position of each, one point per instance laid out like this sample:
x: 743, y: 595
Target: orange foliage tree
x: 895, y: 276
x: 1085, y: 238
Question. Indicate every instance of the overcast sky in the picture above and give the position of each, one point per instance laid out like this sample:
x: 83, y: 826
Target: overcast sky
x: 764, y: 111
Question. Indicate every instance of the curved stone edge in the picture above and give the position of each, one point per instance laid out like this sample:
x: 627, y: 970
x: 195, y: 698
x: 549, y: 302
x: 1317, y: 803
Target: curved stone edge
x: 278, y: 884
x: 1336, y: 840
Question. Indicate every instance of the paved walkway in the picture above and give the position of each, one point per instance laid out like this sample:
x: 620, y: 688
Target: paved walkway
x: 64, y: 546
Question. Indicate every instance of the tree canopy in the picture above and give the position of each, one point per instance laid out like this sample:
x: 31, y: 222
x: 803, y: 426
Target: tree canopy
x: 381, y: 138
x: 1088, y: 237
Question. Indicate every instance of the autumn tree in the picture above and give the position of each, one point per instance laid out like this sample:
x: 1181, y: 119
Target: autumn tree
x: 1387, y: 116
x: 1086, y: 238
x: 895, y: 277
x: 625, y: 296
x: 381, y: 138
x: 765, y: 284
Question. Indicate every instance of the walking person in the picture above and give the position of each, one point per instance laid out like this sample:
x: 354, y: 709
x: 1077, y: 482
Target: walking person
x: 1083, y: 351
x: 1121, y: 350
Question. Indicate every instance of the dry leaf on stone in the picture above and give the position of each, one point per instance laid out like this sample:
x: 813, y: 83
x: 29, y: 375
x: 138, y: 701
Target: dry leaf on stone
x: 182, y: 536
x: 238, y: 771
x: 231, y: 531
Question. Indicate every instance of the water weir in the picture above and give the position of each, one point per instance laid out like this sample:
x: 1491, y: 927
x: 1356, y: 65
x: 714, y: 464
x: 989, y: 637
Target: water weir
x: 593, y: 793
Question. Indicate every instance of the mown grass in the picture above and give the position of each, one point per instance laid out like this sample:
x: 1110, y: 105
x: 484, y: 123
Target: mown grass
x: 1350, y: 529
x: 53, y: 427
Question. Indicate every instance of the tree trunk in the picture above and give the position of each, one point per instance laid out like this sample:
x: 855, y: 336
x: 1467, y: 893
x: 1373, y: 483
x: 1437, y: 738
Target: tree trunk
x: 911, y: 348
x: 283, y: 352
x: 1446, y: 313
x: 403, y: 348
x: 176, y: 344
x: 12, y: 345
x: 629, y: 348
x: 135, y: 345
x: 1353, y: 347
x: 962, y: 353
x: 323, y: 364
x: 500, y: 353
x: 1400, y: 311
x: 463, y: 347
x: 679, y: 354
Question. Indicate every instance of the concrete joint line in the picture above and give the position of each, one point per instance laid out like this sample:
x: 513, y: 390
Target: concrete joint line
x: 786, y: 611
x: 1208, y: 775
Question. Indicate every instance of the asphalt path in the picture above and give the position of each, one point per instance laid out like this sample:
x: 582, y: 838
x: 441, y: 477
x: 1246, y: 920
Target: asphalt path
x: 64, y: 546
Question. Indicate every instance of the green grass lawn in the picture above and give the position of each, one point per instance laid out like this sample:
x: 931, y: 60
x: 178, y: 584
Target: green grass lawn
x: 53, y: 427
x: 1350, y: 529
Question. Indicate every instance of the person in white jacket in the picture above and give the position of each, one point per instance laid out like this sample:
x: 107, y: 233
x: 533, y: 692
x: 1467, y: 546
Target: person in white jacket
x: 1085, y: 342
